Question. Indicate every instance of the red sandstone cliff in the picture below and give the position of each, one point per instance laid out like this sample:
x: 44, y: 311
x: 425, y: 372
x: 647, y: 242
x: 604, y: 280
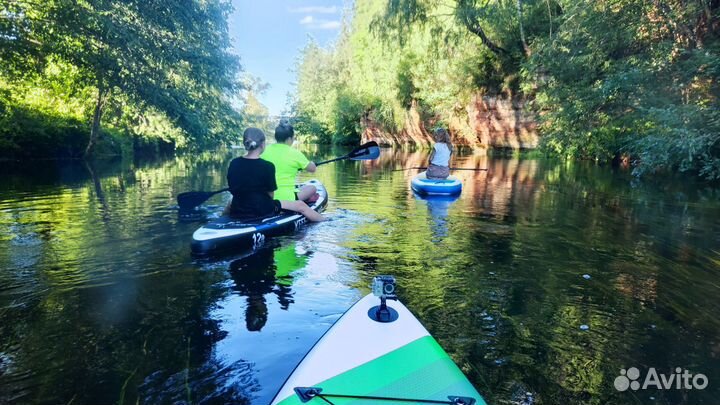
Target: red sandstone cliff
x: 487, y: 122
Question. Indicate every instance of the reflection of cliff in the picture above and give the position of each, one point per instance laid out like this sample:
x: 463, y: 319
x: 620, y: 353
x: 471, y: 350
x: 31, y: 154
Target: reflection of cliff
x: 495, y: 196
x: 505, y: 183
x: 486, y: 122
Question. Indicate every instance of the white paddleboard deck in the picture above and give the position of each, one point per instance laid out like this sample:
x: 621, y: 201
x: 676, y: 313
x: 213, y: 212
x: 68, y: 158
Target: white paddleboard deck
x: 359, y: 356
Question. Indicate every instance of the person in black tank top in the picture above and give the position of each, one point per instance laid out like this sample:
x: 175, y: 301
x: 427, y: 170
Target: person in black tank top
x: 252, y: 183
x: 252, y: 180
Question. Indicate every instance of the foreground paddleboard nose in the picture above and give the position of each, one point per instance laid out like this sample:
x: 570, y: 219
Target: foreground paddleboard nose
x: 360, y: 357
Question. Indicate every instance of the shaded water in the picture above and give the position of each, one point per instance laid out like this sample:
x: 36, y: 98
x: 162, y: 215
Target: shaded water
x: 101, y: 301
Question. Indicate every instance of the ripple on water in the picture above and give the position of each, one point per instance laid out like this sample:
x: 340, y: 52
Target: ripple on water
x: 100, y: 267
x: 214, y: 382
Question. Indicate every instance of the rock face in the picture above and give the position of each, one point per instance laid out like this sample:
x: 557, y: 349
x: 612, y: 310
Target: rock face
x: 413, y: 132
x: 487, y: 122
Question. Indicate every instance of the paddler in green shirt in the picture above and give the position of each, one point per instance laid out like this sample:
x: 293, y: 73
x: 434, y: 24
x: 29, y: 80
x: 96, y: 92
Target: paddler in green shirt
x: 288, y: 162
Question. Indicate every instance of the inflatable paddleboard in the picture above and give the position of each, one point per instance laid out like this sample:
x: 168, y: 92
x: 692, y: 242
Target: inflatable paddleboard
x: 361, y: 360
x: 226, y: 233
x: 424, y: 186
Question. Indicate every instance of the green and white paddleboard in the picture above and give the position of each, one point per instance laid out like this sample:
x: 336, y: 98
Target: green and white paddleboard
x: 384, y: 362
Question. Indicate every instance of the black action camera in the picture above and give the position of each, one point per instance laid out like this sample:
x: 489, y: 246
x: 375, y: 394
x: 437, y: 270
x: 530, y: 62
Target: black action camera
x: 384, y: 286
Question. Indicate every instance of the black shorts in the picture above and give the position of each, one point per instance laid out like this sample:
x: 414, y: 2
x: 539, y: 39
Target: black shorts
x: 268, y: 209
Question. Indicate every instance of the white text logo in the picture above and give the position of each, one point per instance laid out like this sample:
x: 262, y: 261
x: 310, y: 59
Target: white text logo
x: 679, y: 380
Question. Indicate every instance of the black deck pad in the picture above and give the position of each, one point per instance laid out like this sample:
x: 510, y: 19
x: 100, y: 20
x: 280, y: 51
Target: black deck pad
x: 227, y: 222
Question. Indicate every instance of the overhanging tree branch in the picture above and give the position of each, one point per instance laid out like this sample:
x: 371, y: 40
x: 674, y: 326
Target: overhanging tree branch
x: 473, y: 25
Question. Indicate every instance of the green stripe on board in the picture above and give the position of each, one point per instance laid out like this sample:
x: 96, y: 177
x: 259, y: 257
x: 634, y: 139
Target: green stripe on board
x: 418, y: 370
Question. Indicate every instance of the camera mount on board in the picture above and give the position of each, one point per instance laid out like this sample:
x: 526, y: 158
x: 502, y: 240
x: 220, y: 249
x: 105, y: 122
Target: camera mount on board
x: 383, y: 287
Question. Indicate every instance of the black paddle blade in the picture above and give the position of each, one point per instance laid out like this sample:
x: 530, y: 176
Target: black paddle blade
x: 366, y: 151
x: 191, y: 199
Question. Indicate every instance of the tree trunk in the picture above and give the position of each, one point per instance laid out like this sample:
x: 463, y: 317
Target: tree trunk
x: 526, y: 48
x: 474, y: 27
x: 97, y: 116
x: 550, y: 17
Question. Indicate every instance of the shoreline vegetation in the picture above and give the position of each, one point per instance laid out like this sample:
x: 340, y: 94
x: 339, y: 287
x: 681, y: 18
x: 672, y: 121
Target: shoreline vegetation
x: 610, y: 81
x: 105, y: 77
x: 633, y: 82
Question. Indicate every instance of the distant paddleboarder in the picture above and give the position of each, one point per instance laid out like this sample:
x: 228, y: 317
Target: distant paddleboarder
x: 440, y: 156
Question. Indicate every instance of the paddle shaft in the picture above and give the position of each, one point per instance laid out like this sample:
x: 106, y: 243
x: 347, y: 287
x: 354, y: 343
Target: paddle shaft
x: 362, y: 152
x: 332, y: 160
x: 192, y: 199
x: 450, y: 168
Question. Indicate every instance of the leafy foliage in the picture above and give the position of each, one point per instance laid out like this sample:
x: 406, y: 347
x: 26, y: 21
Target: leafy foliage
x: 636, y: 78
x: 162, y: 61
x: 254, y: 113
x: 607, y: 78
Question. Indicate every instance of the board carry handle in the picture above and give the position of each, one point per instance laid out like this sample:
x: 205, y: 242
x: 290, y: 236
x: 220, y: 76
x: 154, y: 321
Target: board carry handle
x: 307, y: 394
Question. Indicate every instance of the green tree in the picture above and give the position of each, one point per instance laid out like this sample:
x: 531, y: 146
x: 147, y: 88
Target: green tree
x: 635, y: 78
x: 607, y: 79
x: 165, y: 55
x: 255, y: 113
x: 315, y: 89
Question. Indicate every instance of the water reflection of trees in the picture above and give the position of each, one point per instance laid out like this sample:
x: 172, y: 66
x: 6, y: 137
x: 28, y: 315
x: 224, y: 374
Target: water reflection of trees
x: 108, y: 295
x: 96, y: 321
x: 505, y: 295
x: 147, y: 340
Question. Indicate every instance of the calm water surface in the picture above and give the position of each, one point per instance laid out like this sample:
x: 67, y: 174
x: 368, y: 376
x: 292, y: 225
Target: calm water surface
x: 542, y: 281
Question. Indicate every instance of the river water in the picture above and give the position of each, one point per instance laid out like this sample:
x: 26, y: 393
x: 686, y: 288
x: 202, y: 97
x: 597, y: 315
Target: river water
x: 542, y: 281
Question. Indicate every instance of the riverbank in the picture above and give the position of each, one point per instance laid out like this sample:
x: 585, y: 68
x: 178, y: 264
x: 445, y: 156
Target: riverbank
x: 544, y: 73
x: 65, y: 138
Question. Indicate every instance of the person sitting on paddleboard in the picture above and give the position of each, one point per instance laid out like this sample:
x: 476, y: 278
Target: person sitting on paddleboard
x: 440, y: 156
x: 252, y: 183
x: 288, y: 162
